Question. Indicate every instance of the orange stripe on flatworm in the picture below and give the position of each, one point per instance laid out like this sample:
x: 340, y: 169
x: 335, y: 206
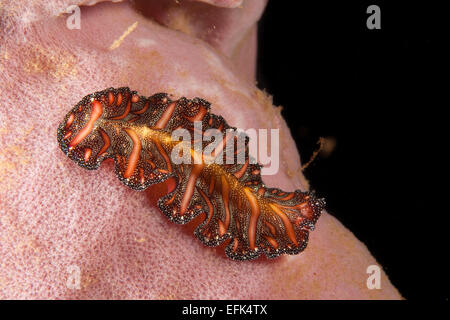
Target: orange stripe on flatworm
x: 96, y: 112
x: 165, y: 117
x: 307, y: 211
x: 298, y: 221
x: 87, y: 154
x: 271, y: 227
x: 70, y: 120
x: 110, y: 98
x: 287, y: 224
x: 171, y: 199
x: 290, y: 211
x: 210, y: 207
x: 193, y: 176
x: 299, y: 206
x: 235, y: 244
x: 119, y: 99
x: 151, y: 163
x: 211, y: 185
x: 135, y: 153
x: 272, y: 241
x: 141, y: 175
x: 106, y: 142
x: 68, y: 134
x: 199, y: 131
x: 288, y: 197
x: 125, y: 113
x: 261, y: 191
x: 143, y: 109
x: 255, y: 211
x: 171, y: 185
x: 122, y: 161
x: 223, y: 227
x: 135, y: 98
x: 199, y: 116
x: 163, y: 154
x: 240, y: 173
x: 133, y: 119
x: 238, y: 226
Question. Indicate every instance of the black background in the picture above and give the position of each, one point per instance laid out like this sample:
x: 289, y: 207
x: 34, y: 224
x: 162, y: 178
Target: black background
x: 369, y: 90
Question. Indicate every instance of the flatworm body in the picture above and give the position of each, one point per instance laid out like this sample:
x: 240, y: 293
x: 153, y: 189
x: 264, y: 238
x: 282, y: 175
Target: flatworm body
x: 135, y: 131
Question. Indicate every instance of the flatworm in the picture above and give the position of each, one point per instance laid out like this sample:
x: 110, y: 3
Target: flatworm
x: 135, y: 131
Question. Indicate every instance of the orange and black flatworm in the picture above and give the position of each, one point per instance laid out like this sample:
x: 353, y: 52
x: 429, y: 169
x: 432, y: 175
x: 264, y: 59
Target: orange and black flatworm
x: 135, y: 131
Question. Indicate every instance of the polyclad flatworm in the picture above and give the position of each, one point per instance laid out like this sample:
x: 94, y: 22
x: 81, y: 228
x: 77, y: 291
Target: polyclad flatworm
x: 136, y: 132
